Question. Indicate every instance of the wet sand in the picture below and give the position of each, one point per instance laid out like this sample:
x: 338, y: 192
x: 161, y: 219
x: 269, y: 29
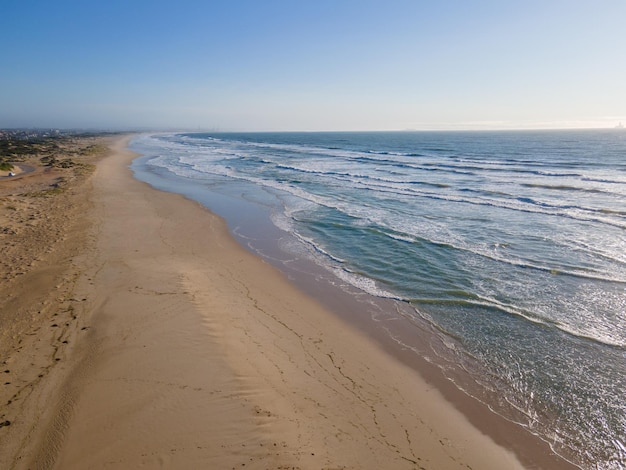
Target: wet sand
x: 179, y: 349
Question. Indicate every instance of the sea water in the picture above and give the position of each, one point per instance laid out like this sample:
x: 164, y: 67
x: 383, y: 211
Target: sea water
x: 510, y: 245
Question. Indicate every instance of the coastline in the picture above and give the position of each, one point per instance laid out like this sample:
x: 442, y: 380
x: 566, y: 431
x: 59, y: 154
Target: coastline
x: 189, y: 351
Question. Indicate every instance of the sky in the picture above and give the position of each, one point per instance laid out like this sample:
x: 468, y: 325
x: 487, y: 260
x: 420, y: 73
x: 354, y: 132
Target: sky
x: 283, y: 65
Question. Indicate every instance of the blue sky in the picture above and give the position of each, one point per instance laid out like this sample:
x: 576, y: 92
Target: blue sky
x: 313, y: 65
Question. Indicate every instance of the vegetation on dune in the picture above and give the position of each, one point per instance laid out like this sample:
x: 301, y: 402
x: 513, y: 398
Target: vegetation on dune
x: 63, y: 149
x: 4, y: 165
x: 17, y: 145
x: 94, y: 149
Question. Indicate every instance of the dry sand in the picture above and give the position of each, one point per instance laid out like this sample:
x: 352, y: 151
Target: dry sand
x: 43, y: 224
x: 164, y: 344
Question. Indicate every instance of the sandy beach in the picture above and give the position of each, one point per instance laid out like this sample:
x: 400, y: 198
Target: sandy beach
x: 146, y: 337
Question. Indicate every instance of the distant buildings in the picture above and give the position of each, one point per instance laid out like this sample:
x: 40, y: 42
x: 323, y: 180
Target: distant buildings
x: 27, y: 134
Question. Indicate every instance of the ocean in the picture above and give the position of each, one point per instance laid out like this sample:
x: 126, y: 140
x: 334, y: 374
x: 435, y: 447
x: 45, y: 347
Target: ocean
x: 508, y: 247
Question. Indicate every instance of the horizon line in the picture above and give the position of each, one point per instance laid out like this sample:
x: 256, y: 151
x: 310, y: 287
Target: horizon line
x: 213, y: 129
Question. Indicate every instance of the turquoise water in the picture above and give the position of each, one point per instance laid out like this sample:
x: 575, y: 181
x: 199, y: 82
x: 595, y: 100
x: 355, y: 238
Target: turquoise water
x: 511, y: 245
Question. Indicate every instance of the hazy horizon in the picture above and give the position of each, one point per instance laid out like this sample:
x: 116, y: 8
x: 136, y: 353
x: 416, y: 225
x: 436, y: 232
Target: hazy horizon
x: 139, y: 130
x: 323, y: 66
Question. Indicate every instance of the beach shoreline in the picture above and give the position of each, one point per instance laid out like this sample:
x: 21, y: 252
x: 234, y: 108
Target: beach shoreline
x: 393, y: 324
x: 188, y: 351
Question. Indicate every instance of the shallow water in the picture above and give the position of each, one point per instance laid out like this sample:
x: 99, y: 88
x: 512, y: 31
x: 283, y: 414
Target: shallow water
x: 510, y: 245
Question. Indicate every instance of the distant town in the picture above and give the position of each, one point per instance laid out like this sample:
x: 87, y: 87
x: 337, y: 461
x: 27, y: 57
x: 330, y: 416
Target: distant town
x: 38, y: 134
